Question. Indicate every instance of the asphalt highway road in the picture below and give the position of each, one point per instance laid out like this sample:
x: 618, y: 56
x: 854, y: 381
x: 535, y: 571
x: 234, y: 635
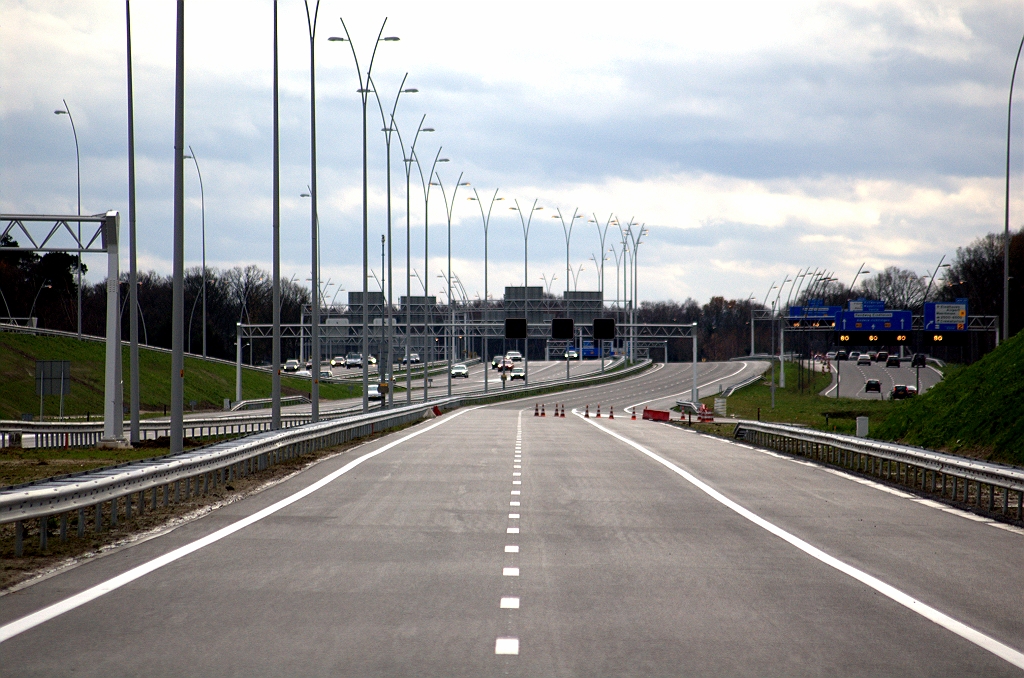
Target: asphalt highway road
x: 854, y: 377
x: 489, y: 542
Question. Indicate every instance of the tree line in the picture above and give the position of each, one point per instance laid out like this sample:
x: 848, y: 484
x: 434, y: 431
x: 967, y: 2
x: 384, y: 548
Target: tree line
x: 45, y: 287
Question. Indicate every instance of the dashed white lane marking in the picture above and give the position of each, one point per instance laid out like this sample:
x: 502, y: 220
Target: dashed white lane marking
x: 513, y: 503
x: 510, y: 571
x: 11, y: 629
x: 517, y: 466
x: 972, y: 635
x: 511, y: 548
x: 512, y: 530
x: 516, y: 473
x: 510, y: 603
x: 517, y: 482
x: 506, y: 646
x: 514, y: 516
x: 516, y: 493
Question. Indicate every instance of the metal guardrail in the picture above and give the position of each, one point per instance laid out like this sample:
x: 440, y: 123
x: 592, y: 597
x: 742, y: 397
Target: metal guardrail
x: 123, y: 488
x: 263, y: 403
x: 954, y: 478
x: 746, y: 382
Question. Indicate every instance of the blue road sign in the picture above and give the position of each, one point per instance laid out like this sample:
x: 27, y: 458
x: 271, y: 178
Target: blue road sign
x: 867, y: 306
x: 814, y: 311
x: 946, y: 316
x: 852, y: 321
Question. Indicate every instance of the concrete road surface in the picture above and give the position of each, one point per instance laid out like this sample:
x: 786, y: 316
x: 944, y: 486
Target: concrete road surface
x: 850, y: 378
x: 490, y: 542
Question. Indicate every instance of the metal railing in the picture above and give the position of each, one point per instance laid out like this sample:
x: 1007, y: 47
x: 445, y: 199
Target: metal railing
x: 119, y: 490
x: 988, y: 487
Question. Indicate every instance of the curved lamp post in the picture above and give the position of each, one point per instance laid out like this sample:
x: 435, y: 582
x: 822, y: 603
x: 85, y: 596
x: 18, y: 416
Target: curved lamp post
x: 364, y: 90
x: 314, y: 329
x: 427, y: 312
x: 567, y: 231
x: 389, y: 127
x: 449, y: 208
x: 202, y: 201
x: 78, y: 165
x: 525, y: 221
x: 487, y: 222
x: 1006, y: 226
x: 602, y: 232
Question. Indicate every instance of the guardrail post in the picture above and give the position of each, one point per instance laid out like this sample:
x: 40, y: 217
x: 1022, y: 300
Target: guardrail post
x: 19, y: 532
x: 63, y: 527
x: 98, y: 526
x: 81, y: 523
x: 44, y: 524
x: 113, y: 512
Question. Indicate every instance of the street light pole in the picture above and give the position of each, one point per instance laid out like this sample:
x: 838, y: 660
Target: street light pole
x: 601, y: 232
x: 427, y: 313
x: 487, y: 222
x: 133, y: 287
x: 202, y: 202
x: 389, y: 127
x: 526, y: 284
x: 407, y: 160
x: 1006, y: 226
x: 567, y: 231
x: 275, y: 378
x: 314, y: 329
x: 178, y: 246
x: 449, y: 208
x: 364, y: 90
x: 78, y: 169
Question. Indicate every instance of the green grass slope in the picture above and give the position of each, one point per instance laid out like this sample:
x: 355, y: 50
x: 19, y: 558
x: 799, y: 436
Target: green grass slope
x: 208, y: 383
x: 977, y: 410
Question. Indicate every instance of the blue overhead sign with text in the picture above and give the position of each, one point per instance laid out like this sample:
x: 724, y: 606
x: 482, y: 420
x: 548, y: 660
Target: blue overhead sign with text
x: 852, y: 321
x: 945, y: 316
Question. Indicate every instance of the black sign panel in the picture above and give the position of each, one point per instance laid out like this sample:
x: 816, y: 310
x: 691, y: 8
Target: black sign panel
x: 53, y: 377
x: 515, y: 328
x: 861, y: 338
x: 953, y: 338
x: 604, y: 329
x: 562, y: 328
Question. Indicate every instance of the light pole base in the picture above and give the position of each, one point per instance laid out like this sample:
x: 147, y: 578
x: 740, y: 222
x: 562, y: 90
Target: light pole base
x: 114, y: 444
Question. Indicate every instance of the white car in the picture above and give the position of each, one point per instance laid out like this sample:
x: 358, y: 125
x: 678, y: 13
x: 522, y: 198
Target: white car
x: 353, y: 360
x: 338, y: 361
x: 326, y: 374
x: 373, y: 393
x: 514, y: 356
x: 518, y: 373
x: 864, y: 359
x: 571, y: 354
x: 460, y: 371
x: 414, y: 359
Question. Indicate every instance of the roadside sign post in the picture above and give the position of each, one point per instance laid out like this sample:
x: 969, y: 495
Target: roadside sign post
x: 53, y: 377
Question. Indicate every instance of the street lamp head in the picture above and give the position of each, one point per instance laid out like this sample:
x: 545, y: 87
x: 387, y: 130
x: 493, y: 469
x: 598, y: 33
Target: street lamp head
x: 303, y: 195
x: 427, y: 129
x: 470, y: 198
x: 60, y: 112
x: 499, y: 199
x: 443, y: 160
x: 464, y: 183
x: 410, y: 90
x: 390, y: 38
x: 188, y: 157
x: 434, y: 183
x: 335, y: 38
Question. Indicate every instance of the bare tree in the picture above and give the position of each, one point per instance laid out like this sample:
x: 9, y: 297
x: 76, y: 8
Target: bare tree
x: 899, y: 288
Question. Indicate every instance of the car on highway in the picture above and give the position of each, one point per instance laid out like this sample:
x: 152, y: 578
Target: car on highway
x: 571, y: 354
x: 338, y: 361
x: 831, y: 355
x: 506, y: 365
x: 309, y: 364
x: 460, y: 370
x: 892, y: 361
x: 863, y: 359
x: 291, y: 365
x: 919, y: 360
x: 372, y: 360
x: 373, y: 393
x: 496, y: 362
x: 353, y: 360
x: 326, y: 374
x: 854, y: 355
x: 902, y: 391
x: 881, y: 356
x: 842, y: 355
x: 514, y: 356
x: 413, y: 359
x: 872, y: 354
x: 518, y: 373
x: 873, y: 386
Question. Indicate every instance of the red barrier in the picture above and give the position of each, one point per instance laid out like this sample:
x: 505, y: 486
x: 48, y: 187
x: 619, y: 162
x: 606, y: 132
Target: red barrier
x: 656, y: 415
x: 437, y: 411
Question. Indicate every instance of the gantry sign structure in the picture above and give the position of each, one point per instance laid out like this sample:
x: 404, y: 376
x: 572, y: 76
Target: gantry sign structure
x: 59, y: 233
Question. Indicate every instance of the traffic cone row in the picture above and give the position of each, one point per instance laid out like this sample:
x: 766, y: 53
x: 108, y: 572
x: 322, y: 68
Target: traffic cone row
x: 599, y: 410
x: 563, y: 411
x: 586, y: 414
x: 542, y: 410
x: 611, y: 411
x: 536, y: 412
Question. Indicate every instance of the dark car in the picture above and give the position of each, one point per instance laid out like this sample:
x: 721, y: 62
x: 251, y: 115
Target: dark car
x: 919, y: 360
x: 872, y: 386
x: 881, y: 356
x: 892, y: 361
x: 496, y: 362
x: 842, y: 355
x: 901, y: 391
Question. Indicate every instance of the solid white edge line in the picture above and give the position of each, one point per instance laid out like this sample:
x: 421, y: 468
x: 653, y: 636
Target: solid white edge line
x: 12, y: 629
x: 983, y: 641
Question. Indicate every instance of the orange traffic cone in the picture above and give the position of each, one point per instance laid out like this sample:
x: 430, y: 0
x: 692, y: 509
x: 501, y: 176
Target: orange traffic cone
x: 599, y: 410
x: 563, y: 410
x: 611, y: 411
x: 586, y: 415
x: 542, y: 410
x: 633, y: 418
x: 536, y: 412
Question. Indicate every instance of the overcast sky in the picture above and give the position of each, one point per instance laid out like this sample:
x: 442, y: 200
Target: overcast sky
x: 752, y: 139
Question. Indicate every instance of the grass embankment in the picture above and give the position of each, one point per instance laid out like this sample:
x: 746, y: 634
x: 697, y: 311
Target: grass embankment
x: 793, y: 406
x: 207, y: 383
x: 976, y: 411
